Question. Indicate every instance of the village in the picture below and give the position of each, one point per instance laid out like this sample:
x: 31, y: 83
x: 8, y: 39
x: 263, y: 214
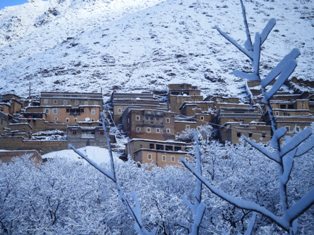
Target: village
x: 151, y: 121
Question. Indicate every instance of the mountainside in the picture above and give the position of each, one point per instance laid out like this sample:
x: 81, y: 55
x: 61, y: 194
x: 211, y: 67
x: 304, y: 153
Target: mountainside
x: 88, y: 45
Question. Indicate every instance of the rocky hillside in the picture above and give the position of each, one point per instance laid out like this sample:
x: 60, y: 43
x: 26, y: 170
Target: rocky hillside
x: 88, y: 45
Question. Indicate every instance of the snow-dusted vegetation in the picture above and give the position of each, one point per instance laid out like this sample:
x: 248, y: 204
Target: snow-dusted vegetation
x: 68, y: 197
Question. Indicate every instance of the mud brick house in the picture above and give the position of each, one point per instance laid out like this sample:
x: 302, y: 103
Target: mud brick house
x: 121, y: 101
x: 181, y: 93
x: 148, y: 123
x: 4, y: 120
x: 73, y: 99
x: 10, y: 104
x: 81, y: 136
x: 158, y: 153
x: 10, y: 155
x: 233, y: 131
x: 293, y: 111
x: 233, y: 112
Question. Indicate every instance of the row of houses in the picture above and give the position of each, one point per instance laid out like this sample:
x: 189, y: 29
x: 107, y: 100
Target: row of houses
x: 51, y: 121
x: 152, y: 121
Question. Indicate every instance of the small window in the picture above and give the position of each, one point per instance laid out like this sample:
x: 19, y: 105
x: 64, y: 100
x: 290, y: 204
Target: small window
x: 157, y: 130
x: 163, y: 158
x: 119, y: 110
x: 159, y: 147
x: 239, y: 134
x: 148, y: 130
x: 67, y: 120
x: 276, y: 113
x: 172, y: 158
x: 297, y: 129
x: 55, y: 110
x: 168, y: 130
x: 202, y: 118
x: 177, y: 148
x: 138, y: 129
x: 187, y: 126
x: 93, y: 111
x: 288, y: 128
x: 149, y: 156
x: 137, y: 117
x: 151, y: 146
x: 74, y: 132
x: 169, y: 147
x: 250, y: 134
x: 46, y: 110
x: 75, y: 119
x: 55, y: 101
x: 167, y: 120
x: 263, y: 135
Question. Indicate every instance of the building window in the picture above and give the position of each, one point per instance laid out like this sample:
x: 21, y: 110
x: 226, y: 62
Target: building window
x: 177, y: 148
x: 138, y: 129
x: 93, y: 111
x: 168, y: 130
x: 239, y: 134
x: 56, y: 119
x: 55, y: 101
x: 55, y: 111
x: 157, y: 130
x: 46, y: 110
x: 138, y: 117
x: 148, y: 130
x: 74, y: 132
x: 172, y: 158
x: 149, y: 156
x: 288, y: 128
x: 167, y: 120
x: 187, y: 126
x: 297, y: 129
x: 202, y: 118
x: 276, y: 113
x: 250, y: 134
x: 263, y: 135
x: 169, y: 147
x: 159, y: 147
x: 151, y: 146
x: 119, y: 110
x: 163, y: 158
x: 65, y: 102
x: 75, y: 119
x: 67, y: 120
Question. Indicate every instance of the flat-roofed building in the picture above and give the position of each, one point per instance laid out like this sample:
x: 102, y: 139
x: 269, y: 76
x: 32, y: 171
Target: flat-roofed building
x: 181, y: 93
x: 233, y: 131
x: 148, y: 123
x: 121, y: 101
x: 158, y: 153
x: 73, y: 99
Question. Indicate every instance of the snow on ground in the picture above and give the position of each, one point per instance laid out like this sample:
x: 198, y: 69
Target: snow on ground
x: 138, y: 45
x: 97, y: 154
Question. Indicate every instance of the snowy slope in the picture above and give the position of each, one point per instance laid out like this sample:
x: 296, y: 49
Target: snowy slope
x: 97, y: 154
x: 88, y: 45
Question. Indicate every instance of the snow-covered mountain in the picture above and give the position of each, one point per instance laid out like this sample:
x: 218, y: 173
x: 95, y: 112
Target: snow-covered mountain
x: 88, y: 45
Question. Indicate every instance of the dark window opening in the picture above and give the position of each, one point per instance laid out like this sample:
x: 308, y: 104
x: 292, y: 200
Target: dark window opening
x: 290, y: 106
x: 151, y: 146
x: 159, y: 147
x: 238, y: 134
x: 250, y: 134
x: 169, y: 148
x: 177, y: 148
